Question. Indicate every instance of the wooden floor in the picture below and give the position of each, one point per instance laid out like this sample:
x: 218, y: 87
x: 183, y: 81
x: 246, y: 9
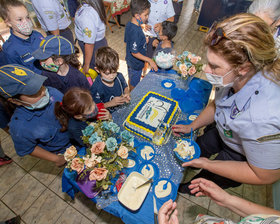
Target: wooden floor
x: 32, y: 188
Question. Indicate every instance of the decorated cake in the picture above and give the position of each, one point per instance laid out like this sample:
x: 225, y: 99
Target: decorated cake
x: 150, y: 113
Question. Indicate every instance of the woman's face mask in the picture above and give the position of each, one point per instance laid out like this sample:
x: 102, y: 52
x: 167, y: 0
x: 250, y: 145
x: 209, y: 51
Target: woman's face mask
x: 218, y: 81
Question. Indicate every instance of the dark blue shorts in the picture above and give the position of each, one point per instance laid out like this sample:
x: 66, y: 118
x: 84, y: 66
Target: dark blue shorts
x: 134, y: 76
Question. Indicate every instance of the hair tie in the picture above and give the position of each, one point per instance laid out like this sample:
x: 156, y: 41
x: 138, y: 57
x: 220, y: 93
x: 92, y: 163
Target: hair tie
x: 60, y: 103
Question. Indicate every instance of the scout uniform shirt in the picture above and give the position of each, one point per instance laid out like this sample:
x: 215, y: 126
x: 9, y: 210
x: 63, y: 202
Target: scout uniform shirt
x: 88, y: 26
x: 31, y: 128
x: 52, y: 14
x: 18, y: 50
x: 249, y: 121
x: 160, y: 11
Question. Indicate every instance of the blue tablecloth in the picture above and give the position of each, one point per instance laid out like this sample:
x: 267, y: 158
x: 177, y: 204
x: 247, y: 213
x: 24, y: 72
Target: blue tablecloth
x: 169, y: 166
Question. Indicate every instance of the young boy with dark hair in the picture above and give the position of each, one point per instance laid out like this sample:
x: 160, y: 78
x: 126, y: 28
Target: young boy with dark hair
x: 167, y: 33
x: 23, y: 40
x: 33, y: 126
x: 136, y: 45
x: 110, y: 86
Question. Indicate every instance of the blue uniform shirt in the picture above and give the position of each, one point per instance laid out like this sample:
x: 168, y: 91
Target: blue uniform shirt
x: 135, y: 43
x: 88, y: 26
x: 160, y: 11
x: 74, y: 78
x: 18, y: 50
x: 52, y: 14
x: 249, y: 121
x: 31, y: 128
x: 103, y: 94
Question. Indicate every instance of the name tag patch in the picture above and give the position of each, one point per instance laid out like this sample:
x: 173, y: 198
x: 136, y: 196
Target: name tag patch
x: 267, y: 138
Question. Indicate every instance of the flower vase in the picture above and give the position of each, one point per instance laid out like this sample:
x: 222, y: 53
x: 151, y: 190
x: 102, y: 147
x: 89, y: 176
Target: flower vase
x: 88, y: 187
x: 188, y: 82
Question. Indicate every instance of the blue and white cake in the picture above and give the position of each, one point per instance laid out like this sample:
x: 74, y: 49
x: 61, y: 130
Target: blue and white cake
x: 153, y: 110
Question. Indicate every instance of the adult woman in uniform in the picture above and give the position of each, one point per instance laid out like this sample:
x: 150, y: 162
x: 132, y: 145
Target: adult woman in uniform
x: 244, y: 66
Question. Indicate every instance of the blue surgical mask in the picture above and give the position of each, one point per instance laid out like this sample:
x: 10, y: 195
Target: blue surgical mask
x: 40, y: 103
x: 92, y: 114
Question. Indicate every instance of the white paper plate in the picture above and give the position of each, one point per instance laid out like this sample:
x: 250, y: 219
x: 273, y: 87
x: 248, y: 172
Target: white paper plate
x: 130, y: 197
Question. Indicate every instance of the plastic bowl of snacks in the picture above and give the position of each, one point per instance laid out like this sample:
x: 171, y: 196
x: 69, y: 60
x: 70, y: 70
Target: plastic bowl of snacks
x: 185, y: 150
x: 165, y: 57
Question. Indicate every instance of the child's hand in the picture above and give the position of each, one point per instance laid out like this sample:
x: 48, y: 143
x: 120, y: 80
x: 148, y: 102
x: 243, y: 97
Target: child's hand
x: 104, y: 114
x: 153, y: 65
x: 118, y: 100
x: 155, y: 43
x: 147, y: 27
x: 127, y: 97
x: 60, y: 161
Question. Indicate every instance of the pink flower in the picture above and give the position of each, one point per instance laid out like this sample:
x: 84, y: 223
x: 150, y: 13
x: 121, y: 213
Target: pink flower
x: 77, y: 164
x: 192, y: 70
x: 190, y: 56
x: 123, y: 152
x: 98, y: 148
x: 70, y: 153
x: 194, y: 60
x: 98, y: 174
x: 184, y: 69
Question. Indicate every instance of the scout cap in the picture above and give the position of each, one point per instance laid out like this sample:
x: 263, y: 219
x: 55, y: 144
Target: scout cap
x: 17, y: 79
x: 53, y: 45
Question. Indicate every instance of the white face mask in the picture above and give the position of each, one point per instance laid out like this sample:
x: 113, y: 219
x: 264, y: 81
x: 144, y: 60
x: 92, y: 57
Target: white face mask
x: 217, y: 80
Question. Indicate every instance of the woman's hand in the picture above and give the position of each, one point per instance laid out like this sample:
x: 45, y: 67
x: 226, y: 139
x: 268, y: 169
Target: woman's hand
x: 165, y: 211
x: 203, y: 187
x: 104, y: 114
x: 85, y: 68
x: 197, y: 163
x: 179, y: 129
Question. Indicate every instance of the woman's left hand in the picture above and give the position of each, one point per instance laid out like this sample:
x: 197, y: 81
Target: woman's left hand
x: 104, y: 115
x: 197, y: 163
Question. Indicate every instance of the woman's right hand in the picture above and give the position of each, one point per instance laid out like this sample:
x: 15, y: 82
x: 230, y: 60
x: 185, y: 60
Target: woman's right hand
x: 179, y: 129
x: 85, y: 69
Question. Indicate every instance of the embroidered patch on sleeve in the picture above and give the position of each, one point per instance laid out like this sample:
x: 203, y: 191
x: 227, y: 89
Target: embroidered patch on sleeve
x: 87, y: 32
x: 267, y: 138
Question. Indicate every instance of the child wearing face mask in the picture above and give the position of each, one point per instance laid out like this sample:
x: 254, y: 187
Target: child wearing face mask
x: 110, y: 86
x: 59, y: 58
x: 77, y: 107
x: 33, y: 127
x: 136, y: 45
x: 23, y: 40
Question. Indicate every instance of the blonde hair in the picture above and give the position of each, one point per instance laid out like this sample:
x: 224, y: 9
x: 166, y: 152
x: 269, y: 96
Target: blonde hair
x: 247, y: 38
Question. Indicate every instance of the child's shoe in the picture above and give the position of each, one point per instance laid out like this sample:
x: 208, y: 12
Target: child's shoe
x: 5, y: 160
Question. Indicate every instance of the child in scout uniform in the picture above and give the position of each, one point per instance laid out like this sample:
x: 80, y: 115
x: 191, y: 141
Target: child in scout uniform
x: 167, y: 33
x: 76, y: 108
x: 33, y: 127
x: 59, y: 58
x: 243, y: 64
x: 23, y: 40
x: 90, y: 20
x: 136, y: 45
x: 54, y: 17
x: 110, y: 86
